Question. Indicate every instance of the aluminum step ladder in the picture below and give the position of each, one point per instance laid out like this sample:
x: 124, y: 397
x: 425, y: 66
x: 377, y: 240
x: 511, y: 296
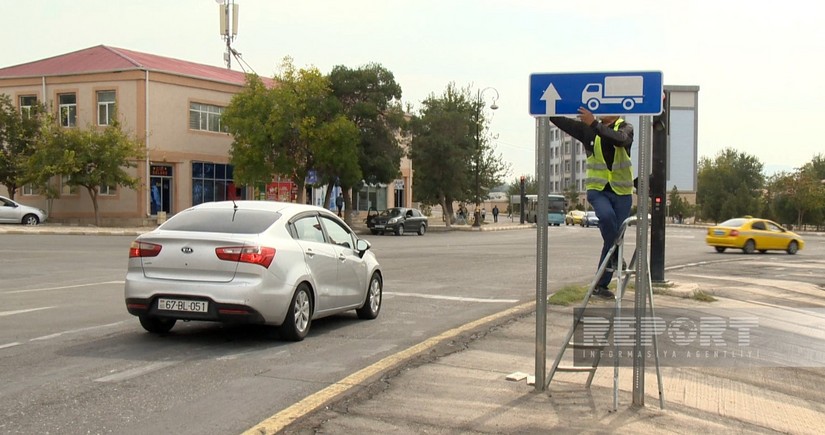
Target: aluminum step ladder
x: 624, y: 273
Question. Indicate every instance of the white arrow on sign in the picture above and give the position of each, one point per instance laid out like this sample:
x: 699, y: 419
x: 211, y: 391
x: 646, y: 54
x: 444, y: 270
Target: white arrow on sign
x: 550, y: 96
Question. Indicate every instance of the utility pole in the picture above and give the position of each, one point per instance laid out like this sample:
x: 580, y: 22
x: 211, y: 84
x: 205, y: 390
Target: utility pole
x: 228, y: 12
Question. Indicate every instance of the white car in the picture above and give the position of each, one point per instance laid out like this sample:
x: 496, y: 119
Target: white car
x: 259, y: 262
x: 12, y: 212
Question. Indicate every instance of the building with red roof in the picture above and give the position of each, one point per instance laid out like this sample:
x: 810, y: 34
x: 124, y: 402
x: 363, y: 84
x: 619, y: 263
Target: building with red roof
x: 174, y: 106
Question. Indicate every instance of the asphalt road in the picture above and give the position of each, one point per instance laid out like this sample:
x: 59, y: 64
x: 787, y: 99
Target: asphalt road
x: 73, y: 361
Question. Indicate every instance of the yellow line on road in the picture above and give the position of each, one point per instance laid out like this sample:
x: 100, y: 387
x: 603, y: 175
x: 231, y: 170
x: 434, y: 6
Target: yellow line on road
x: 309, y: 404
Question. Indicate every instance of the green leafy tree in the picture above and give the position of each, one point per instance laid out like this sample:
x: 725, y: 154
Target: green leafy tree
x: 730, y: 185
x: 90, y: 158
x: 370, y: 98
x: 799, y: 197
x: 19, y: 132
x: 678, y: 205
x: 571, y: 194
x: 290, y: 129
x: 442, y: 149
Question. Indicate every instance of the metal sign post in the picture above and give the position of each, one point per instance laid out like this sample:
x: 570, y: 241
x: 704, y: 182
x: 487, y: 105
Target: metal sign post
x: 642, y: 283
x: 542, y: 167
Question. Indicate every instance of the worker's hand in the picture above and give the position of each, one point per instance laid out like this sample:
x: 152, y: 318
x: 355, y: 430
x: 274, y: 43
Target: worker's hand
x: 586, y: 116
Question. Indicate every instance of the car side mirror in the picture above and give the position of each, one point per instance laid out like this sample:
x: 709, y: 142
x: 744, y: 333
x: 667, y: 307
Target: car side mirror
x: 362, y: 246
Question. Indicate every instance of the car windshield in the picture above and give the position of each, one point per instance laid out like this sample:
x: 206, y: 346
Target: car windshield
x: 391, y: 212
x: 738, y: 222
x: 213, y: 220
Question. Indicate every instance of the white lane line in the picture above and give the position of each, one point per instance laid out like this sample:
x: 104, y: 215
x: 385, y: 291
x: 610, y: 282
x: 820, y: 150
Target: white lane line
x: 73, y: 331
x: 453, y: 298
x: 3, y: 346
x: 29, y: 310
x: 64, y: 287
x: 135, y: 372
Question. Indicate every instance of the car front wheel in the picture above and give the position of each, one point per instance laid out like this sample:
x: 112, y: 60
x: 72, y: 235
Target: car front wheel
x: 372, y: 305
x: 750, y: 247
x: 400, y: 230
x: 30, y: 219
x: 720, y: 249
x: 422, y: 229
x: 299, y: 316
x: 793, y: 247
x: 157, y: 325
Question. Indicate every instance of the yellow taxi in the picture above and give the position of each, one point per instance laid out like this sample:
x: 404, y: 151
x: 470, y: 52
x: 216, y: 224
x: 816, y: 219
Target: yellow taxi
x: 574, y: 217
x: 752, y: 234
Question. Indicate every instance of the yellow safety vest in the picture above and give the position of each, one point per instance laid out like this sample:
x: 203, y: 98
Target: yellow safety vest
x: 620, y: 176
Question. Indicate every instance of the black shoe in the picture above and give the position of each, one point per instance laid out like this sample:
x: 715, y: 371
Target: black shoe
x: 604, y: 292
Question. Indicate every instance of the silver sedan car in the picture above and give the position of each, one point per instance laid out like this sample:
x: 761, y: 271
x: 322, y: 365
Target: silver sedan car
x: 16, y: 213
x: 260, y: 262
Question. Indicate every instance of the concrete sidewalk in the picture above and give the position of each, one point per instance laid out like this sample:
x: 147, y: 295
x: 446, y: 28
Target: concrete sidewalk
x: 460, y: 386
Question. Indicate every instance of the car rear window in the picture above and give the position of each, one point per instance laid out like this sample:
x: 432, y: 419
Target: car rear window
x: 732, y: 223
x: 222, y: 221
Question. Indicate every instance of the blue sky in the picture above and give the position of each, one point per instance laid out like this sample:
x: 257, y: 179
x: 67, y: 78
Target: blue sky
x: 758, y: 64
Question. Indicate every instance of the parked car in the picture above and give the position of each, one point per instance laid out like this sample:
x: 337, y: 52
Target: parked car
x: 574, y: 217
x: 12, y: 212
x: 590, y: 219
x: 398, y: 220
x: 753, y: 234
x: 261, y: 262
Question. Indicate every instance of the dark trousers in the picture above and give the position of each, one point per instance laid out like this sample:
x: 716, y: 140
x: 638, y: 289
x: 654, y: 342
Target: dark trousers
x: 612, y: 210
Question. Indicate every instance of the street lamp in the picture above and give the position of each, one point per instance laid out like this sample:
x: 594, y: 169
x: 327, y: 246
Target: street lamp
x: 480, y: 105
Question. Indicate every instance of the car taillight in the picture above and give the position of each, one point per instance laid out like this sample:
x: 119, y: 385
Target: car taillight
x: 144, y: 249
x: 733, y: 233
x: 261, y: 255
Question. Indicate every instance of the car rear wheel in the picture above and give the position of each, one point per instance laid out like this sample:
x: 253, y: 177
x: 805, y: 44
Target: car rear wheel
x: 299, y: 316
x: 750, y: 247
x: 372, y: 306
x: 720, y: 249
x: 793, y: 247
x: 157, y: 325
x: 422, y: 229
x: 399, y: 231
x: 374, y: 232
x: 30, y: 219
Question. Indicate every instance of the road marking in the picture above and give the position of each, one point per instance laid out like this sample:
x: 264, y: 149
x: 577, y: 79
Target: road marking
x: 11, y: 313
x: 72, y: 331
x: 135, y: 372
x: 452, y: 298
x: 65, y: 287
x: 310, y: 403
x: 3, y: 346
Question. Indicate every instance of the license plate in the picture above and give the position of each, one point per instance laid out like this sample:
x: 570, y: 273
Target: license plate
x: 183, y: 305
x: 718, y: 232
x: 379, y: 226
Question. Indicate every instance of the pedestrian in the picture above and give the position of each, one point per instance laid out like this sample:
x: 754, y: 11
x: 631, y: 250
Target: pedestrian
x: 609, y: 178
x: 495, y: 213
x: 483, y: 214
x: 339, y: 203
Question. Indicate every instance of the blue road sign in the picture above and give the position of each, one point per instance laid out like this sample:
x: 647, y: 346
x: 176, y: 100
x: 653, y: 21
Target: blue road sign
x: 603, y: 93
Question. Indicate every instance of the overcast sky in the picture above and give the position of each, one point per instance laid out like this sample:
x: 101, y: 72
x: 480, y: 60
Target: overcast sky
x: 758, y: 64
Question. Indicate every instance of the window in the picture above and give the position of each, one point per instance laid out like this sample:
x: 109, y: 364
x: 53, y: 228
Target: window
x: 65, y: 187
x: 309, y: 230
x: 30, y: 190
x: 205, y: 117
x: 105, y: 107
x: 27, y: 103
x: 213, y: 182
x: 68, y: 110
x: 107, y: 190
x: 337, y: 234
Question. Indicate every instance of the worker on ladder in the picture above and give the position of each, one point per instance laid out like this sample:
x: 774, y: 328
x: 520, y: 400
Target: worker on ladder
x: 609, y: 181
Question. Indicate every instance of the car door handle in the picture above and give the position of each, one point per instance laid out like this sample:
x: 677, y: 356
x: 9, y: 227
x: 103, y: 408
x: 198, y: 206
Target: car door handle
x: 342, y: 257
x: 309, y: 253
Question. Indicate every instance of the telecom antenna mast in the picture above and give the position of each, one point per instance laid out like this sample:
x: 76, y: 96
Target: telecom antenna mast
x: 228, y: 12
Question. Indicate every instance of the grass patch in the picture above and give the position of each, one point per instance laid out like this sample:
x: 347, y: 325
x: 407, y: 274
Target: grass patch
x: 568, y: 295
x: 701, y: 296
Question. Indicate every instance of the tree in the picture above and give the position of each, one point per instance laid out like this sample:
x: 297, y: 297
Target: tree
x: 290, y: 129
x: 91, y: 158
x: 730, y: 185
x: 442, y: 148
x: 799, y: 197
x: 18, y: 133
x: 571, y: 194
x: 370, y: 98
x: 678, y: 205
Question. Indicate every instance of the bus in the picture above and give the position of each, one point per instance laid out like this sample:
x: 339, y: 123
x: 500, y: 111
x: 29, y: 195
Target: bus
x: 555, y: 209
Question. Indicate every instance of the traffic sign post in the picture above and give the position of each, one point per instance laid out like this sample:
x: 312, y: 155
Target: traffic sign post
x: 603, y: 93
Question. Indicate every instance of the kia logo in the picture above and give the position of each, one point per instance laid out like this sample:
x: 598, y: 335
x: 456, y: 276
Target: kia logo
x: 186, y: 250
